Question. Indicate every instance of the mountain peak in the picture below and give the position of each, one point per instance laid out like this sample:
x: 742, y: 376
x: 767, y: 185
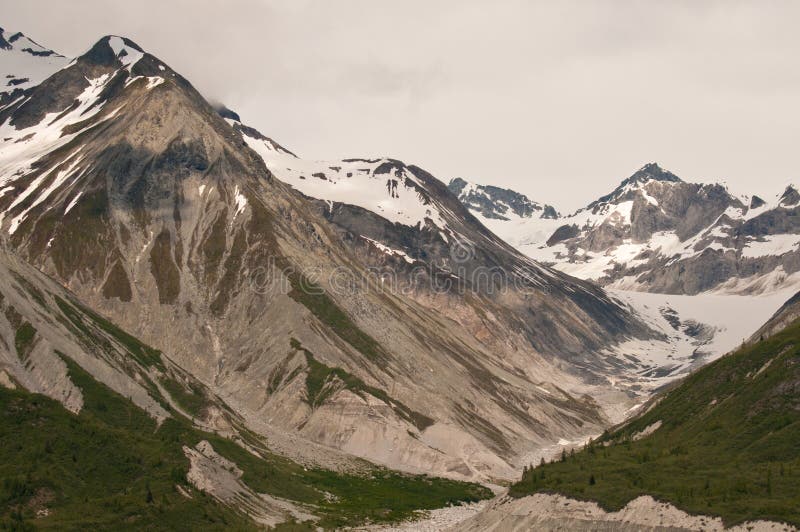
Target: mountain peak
x: 498, y: 203
x: 648, y: 172
x: 24, y: 64
x: 226, y: 112
x: 652, y: 171
x: 21, y: 42
x: 112, y: 49
x: 457, y: 185
x: 790, y: 196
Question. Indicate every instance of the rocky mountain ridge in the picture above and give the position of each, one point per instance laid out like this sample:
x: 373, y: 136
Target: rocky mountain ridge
x: 658, y: 233
x: 499, y: 203
x: 24, y: 64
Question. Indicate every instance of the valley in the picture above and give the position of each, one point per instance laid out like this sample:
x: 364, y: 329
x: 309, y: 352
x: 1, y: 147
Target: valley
x: 202, y: 329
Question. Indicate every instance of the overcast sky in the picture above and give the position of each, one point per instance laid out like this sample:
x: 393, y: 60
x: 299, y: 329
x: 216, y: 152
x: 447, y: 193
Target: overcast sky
x: 560, y: 100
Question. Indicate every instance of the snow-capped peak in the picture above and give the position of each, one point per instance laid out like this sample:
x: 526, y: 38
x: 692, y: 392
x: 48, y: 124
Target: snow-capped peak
x: 113, y: 50
x: 384, y: 186
x: 652, y: 171
x: 18, y: 41
x: 790, y: 197
x: 637, y: 183
x: 24, y: 63
x: 125, y: 50
x: 499, y: 203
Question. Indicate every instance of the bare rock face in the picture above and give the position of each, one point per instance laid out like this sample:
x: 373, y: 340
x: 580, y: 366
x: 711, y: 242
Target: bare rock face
x: 219, y: 477
x: 121, y: 182
x: 43, y: 331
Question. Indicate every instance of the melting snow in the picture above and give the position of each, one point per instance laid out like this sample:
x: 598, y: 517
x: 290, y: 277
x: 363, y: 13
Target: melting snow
x: 73, y: 202
x: 59, y: 180
x: 21, y: 148
x: 16, y: 158
x: 389, y: 251
x: 771, y: 245
x: 241, y: 202
x: 154, y: 81
x: 131, y: 55
x: 24, y: 68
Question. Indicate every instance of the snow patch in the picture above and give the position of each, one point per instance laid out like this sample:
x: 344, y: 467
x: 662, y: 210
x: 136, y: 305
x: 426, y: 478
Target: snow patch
x: 73, y: 202
x: 394, y: 196
x: 389, y: 251
x: 771, y: 245
x: 241, y: 202
x: 26, y: 64
x: 129, y: 57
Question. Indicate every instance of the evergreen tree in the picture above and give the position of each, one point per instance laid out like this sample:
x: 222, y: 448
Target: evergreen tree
x: 769, y: 480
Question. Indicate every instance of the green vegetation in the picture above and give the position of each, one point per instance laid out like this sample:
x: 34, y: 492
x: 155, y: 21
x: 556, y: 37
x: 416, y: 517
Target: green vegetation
x: 33, y: 291
x: 315, y: 299
x: 191, y: 397
x: 107, y: 468
x: 728, y: 444
x: 380, y: 496
x: 23, y: 339
x: 113, y: 467
x: 322, y: 381
x: 82, y: 319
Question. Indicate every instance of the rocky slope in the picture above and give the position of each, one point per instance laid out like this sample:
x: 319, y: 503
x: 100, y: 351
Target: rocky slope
x: 546, y: 512
x: 97, y: 427
x: 783, y: 317
x: 658, y: 233
x: 354, y: 304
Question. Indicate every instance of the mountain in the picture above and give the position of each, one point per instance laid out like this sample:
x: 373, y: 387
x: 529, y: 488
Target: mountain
x: 24, y: 64
x: 721, y: 443
x: 783, y: 317
x: 339, y: 308
x: 98, y: 427
x: 201, y: 329
x: 499, y: 203
x: 658, y: 233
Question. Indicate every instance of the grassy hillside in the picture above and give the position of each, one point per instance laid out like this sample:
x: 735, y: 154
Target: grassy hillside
x: 111, y: 467
x: 728, y: 443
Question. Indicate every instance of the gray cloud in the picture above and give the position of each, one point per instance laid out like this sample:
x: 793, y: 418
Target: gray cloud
x: 557, y: 99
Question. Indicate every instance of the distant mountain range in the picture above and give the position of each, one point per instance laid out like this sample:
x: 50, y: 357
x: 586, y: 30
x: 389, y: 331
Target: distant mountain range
x: 658, y: 233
